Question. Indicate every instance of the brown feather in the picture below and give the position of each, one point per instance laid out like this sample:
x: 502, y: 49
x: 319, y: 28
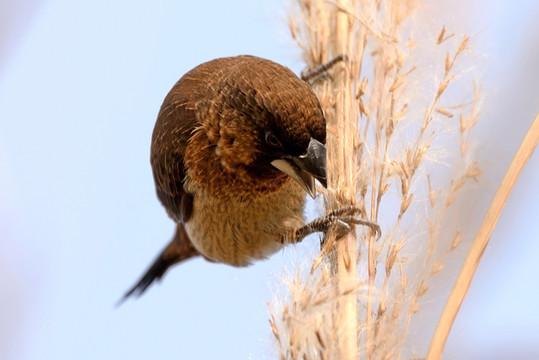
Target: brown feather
x: 212, y: 165
x: 178, y: 250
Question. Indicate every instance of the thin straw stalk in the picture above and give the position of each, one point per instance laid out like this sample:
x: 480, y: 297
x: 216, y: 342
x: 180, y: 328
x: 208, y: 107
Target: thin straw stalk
x: 467, y: 271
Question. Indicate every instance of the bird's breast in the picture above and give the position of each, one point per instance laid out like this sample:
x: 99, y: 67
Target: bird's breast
x: 239, y: 229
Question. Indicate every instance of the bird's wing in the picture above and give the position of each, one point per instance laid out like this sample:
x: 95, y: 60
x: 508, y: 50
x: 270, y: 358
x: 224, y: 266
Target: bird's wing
x: 170, y: 190
x: 176, y: 122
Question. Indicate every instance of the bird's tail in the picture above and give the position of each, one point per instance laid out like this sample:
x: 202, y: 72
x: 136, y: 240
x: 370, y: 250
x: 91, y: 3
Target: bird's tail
x: 179, y: 249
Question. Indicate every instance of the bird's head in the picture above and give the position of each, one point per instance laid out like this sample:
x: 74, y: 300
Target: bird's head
x: 288, y: 125
x: 298, y: 152
x: 264, y: 126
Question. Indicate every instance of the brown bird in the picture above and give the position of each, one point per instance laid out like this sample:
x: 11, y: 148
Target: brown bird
x: 237, y: 143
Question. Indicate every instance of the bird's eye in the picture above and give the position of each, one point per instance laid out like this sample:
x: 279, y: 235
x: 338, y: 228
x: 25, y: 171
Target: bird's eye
x: 272, y: 140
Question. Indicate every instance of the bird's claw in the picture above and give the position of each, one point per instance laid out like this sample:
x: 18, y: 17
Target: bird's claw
x: 311, y: 76
x: 340, y: 220
x: 346, y: 215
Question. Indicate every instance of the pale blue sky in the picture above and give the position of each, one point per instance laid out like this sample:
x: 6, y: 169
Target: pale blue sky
x: 80, y: 88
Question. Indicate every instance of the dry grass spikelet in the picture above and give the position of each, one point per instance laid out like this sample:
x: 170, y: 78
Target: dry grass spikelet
x: 408, y: 133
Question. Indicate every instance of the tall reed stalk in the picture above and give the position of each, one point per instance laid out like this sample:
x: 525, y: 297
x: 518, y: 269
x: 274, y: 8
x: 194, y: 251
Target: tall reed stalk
x: 400, y: 114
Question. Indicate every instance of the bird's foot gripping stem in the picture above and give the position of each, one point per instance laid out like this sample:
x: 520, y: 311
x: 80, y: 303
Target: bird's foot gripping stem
x: 311, y: 76
x: 341, y: 220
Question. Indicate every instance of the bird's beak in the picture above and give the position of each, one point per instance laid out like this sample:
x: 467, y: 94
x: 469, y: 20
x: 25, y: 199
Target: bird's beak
x: 307, y: 167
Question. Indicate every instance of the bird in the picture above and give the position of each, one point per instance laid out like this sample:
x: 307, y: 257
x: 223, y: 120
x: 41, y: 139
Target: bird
x: 237, y: 145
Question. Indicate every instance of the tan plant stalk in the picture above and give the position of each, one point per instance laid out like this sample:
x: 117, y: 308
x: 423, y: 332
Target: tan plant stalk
x: 399, y: 149
x: 342, y: 160
x: 467, y: 271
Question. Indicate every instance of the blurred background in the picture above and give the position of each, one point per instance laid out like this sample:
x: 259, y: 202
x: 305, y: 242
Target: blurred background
x: 80, y: 87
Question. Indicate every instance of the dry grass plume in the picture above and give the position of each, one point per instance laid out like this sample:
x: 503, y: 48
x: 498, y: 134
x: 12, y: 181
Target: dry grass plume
x: 399, y: 134
x: 401, y: 112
